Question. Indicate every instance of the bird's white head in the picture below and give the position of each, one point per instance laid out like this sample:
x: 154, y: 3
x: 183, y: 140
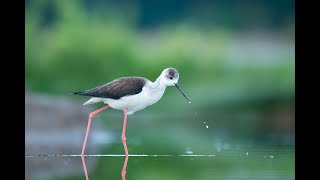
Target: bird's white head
x: 169, y: 77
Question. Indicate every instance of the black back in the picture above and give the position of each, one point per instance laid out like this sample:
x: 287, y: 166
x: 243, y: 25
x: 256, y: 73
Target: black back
x: 117, y: 88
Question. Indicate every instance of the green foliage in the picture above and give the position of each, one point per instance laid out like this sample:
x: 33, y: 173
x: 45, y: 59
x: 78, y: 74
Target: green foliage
x: 79, y: 50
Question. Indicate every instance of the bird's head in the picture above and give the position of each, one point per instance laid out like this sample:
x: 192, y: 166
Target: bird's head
x: 170, y: 77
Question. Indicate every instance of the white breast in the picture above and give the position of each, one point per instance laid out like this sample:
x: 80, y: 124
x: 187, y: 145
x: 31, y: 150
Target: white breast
x: 146, y: 97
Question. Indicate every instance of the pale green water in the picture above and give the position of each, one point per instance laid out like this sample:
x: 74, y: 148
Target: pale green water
x: 187, y: 149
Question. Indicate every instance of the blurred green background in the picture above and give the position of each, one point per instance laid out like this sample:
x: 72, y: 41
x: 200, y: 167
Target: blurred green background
x: 236, y: 62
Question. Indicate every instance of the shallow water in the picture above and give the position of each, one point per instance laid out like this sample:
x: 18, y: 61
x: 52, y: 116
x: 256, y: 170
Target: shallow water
x: 265, y: 164
x: 171, y: 148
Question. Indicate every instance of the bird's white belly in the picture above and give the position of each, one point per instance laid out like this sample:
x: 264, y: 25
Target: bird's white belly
x: 135, y: 102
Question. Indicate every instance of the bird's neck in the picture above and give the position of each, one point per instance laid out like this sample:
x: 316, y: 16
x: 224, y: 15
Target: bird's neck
x: 158, y: 85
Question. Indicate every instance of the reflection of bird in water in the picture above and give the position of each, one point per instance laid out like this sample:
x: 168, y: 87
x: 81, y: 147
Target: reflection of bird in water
x: 129, y: 94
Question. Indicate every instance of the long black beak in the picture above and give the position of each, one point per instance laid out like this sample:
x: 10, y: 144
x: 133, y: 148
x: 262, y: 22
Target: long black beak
x: 179, y: 88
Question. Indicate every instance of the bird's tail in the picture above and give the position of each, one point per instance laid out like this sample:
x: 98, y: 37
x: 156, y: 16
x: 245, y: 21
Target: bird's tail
x: 79, y: 93
x: 93, y: 100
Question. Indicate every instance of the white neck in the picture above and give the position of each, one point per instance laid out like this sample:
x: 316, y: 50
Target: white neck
x: 157, y: 84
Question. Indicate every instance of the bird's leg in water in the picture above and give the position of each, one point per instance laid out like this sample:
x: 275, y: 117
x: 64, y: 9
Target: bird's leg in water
x: 92, y: 114
x: 123, y: 137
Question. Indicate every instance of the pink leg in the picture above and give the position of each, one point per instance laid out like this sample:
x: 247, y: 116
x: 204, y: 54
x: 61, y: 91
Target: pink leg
x: 92, y: 114
x: 123, y: 137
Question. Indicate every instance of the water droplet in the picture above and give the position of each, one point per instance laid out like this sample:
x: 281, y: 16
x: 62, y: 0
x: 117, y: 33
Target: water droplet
x: 271, y: 156
x: 207, y: 126
x: 247, y: 153
x: 188, y: 151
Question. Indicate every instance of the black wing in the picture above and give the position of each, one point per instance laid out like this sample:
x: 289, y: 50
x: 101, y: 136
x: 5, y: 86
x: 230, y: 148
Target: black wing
x: 116, y: 88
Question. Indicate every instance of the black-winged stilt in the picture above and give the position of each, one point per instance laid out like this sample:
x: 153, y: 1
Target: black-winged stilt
x: 129, y: 94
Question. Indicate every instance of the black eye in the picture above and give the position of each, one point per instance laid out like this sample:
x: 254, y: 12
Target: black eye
x: 171, y: 77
